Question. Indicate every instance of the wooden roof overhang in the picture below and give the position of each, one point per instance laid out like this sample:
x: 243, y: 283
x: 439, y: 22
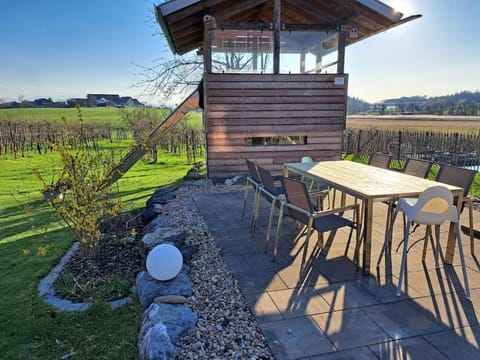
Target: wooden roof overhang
x: 182, y: 20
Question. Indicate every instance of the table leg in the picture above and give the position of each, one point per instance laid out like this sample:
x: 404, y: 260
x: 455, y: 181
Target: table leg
x: 450, y: 251
x: 367, y: 235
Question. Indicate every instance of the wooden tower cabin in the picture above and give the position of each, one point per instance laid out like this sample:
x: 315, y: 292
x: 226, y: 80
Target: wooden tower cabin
x: 274, y: 86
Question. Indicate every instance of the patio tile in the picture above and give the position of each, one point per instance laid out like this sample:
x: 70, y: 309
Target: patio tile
x: 337, y: 250
x: 427, y: 282
x: 299, y: 302
x: 451, y: 310
x: 475, y: 300
x: 346, y: 295
x: 261, y: 261
x: 401, y: 320
x: 384, y: 289
x: 237, y: 247
x: 462, y: 343
x: 339, y: 269
x: 350, y: 328
x: 291, y: 276
x: 455, y: 276
x: 336, y: 297
x: 256, y: 282
x: 363, y: 353
x: 263, y: 307
x: 412, y: 348
x: 296, y: 338
x: 237, y: 264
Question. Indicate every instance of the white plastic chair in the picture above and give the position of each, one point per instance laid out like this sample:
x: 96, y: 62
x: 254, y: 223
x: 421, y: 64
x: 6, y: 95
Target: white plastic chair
x: 434, y: 206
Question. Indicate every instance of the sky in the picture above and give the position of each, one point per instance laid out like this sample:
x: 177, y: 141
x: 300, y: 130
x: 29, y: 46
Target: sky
x: 67, y: 48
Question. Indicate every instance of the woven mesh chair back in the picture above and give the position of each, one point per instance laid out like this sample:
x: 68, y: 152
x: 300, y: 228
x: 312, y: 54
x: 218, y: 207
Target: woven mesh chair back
x: 416, y: 167
x: 252, y: 169
x: 267, y: 180
x: 380, y: 160
x: 297, y: 195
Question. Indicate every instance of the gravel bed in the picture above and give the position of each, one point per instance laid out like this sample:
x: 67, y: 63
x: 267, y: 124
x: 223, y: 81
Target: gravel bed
x: 226, y: 329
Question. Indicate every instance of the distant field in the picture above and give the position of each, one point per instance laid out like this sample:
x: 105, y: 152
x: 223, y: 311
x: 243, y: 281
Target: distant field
x: 464, y: 124
x: 100, y: 115
x: 90, y: 115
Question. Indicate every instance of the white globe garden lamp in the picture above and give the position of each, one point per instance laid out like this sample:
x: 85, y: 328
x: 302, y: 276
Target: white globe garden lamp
x: 164, y: 262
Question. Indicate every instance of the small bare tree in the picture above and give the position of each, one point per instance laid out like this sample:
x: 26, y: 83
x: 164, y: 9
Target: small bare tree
x: 171, y: 77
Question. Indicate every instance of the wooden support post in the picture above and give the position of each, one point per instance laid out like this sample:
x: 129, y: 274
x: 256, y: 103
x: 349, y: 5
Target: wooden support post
x: 318, y: 61
x: 277, y: 17
x: 342, y: 34
x: 209, y: 24
x: 399, y: 153
x: 302, y: 62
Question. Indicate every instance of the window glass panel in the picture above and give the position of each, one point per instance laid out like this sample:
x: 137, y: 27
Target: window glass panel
x: 303, y: 52
x: 276, y: 140
x: 242, y: 51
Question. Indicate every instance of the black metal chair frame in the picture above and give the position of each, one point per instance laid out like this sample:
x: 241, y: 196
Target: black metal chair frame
x: 300, y: 208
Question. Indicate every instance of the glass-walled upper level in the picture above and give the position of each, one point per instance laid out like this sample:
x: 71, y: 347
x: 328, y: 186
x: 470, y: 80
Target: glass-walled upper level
x: 242, y: 51
x: 252, y: 51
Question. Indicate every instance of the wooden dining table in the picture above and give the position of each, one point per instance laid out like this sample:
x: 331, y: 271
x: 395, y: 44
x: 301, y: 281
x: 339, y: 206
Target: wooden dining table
x: 372, y: 184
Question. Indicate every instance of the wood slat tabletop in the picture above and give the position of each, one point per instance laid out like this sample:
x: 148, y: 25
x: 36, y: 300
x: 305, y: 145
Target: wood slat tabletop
x: 372, y: 184
x: 365, y: 181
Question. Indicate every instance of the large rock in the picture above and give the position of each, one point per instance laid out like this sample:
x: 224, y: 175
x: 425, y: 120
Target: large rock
x: 162, y: 326
x: 155, y: 204
x: 187, y: 252
x: 149, y: 288
x: 162, y: 235
x: 155, y: 344
x: 151, y: 213
x: 157, y: 222
x: 178, y: 318
x: 162, y: 196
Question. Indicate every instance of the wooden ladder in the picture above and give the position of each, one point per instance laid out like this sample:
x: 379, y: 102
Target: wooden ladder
x: 189, y: 104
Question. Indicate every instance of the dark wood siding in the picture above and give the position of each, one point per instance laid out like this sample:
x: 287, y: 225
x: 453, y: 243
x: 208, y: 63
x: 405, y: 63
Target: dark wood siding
x: 239, y: 106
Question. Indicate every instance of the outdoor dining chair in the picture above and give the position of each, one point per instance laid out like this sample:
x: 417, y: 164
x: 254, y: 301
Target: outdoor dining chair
x: 417, y: 167
x: 301, y: 209
x: 275, y: 195
x: 380, y: 160
x: 414, y: 167
x: 319, y: 186
x: 255, y: 181
x: 434, y: 206
x: 463, y: 178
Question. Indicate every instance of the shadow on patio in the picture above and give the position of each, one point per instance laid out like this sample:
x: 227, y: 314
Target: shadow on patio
x: 337, y: 312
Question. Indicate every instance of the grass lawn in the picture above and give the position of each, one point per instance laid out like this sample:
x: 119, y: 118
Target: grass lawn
x: 31, y: 329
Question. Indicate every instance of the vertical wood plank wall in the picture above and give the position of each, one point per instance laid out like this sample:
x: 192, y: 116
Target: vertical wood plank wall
x: 239, y: 106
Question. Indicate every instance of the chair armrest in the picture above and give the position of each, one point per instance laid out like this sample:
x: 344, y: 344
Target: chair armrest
x: 318, y: 192
x: 293, y: 207
x: 468, y: 199
x: 337, y: 210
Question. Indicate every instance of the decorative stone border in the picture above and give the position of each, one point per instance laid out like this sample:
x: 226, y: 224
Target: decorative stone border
x: 47, y: 291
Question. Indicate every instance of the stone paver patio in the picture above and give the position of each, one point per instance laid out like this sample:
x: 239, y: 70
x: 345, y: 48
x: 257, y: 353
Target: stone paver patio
x: 337, y: 312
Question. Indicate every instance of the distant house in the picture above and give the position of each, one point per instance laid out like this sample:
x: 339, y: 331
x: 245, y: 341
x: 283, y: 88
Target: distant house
x: 102, y: 102
x: 129, y: 101
x: 95, y: 100
x: 77, y: 101
x: 43, y: 103
x: 10, y: 105
x: 110, y: 99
